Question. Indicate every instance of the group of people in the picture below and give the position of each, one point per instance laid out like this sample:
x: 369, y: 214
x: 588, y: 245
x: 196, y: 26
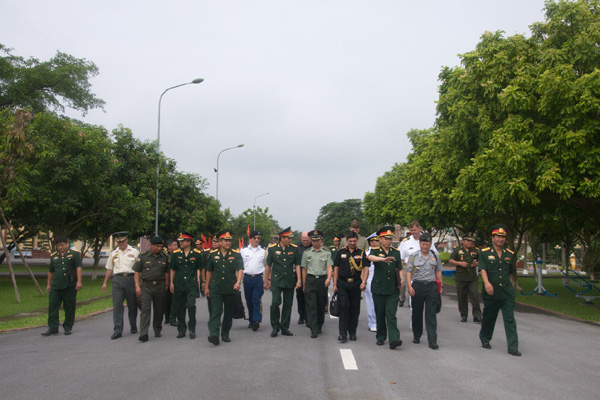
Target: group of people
x: 369, y: 266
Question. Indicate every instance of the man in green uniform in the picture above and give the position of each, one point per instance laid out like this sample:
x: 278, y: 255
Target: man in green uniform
x: 282, y: 276
x: 385, y: 287
x: 186, y: 265
x: 335, y: 248
x: 466, y: 260
x: 170, y: 303
x: 64, y: 280
x: 316, y: 275
x: 224, y: 272
x: 423, y: 268
x: 152, y: 270
x: 497, y: 268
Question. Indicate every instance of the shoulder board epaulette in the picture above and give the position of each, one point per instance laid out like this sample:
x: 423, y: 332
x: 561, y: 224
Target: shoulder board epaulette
x: 373, y: 248
x: 177, y: 251
x: 272, y: 245
x: 213, y: 250
x: 197, y: 251
x: 485, y: 249
x: 53, y: 253
x: 510, y: 251
x: 293, y: 245
x: 235, y: 251
x: 405, y: 239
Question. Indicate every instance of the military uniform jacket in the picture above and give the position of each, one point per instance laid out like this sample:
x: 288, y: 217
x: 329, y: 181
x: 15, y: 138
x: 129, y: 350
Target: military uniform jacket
x: 385, y: 281
x: 334, y: 251
x: 185, y: 268
x: 465, y: 274
x: 316, y: 261
x: 65, y: 269
x: 152, y: 267
x: 224, y: 268
x: 498, y: 270
x: 283, y: 273
x: 342, y: 261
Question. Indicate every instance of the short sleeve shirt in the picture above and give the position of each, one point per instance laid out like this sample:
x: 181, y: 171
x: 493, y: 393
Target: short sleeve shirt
x: 254, y: 260
x: 316, y: 261
x: 121, y: 262
x: 423, y: 268
x: 345, y: 267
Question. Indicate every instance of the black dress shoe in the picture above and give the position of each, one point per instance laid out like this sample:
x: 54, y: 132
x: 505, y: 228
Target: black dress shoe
x: 400, y: 303
x: 320, y: 331
x: 342, y: 339
x: 143, y: 338
x: 249, y: 325
x: 157, y: 334
x: 68, y: 331
x: 255, y: 326
x: 301, y: 321
x: 395, y: 343
x: 166, y: 321
x: 225, y: 339
x: 416, y: 341
x: 273, y: 333
x: 286, y: 332
x: 353, y: 337
x: 463, y: 319
x: 486, y: 345
x: 477, y: 320
x: 50, y: 332
x: 379, y: 343
x: 514, y: 353
x: 115, y: 336
x: 192, y: 335
x: 180, y: 335
x: 133, y: 331
x: 434, y: 346
x: 314, y: 335
x: 214, y: 340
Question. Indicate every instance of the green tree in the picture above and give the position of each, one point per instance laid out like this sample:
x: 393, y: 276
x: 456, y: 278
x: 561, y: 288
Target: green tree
x: 46, y: 85
x: 265, y: 224
x: 335, y: 218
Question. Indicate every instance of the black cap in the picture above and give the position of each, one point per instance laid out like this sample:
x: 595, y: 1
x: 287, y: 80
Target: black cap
x: 425, y: 237
x: 315, y: 234
x: 156, y: 240
x: 253, y: 234
x: 351, y: 235
x: 120, y: 236
x: 62, y: 239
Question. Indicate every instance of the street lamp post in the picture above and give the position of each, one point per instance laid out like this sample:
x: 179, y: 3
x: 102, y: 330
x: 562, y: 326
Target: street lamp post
x: 217, y: 169
x: 195, y: 81
x: 260, y: 195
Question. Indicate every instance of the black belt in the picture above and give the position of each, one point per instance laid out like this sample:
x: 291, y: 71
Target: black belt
x: 125, y: 274
x: 317, y: 276
x: 148, y: 281
x: 424, y: 282
x: 253, y: 276
x: 349, y: 280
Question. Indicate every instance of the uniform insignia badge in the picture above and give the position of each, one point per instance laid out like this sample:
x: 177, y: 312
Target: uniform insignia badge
x: 343, y: 256
x: 277, y: 253
x: 491, y: 257
x: 217, y: 258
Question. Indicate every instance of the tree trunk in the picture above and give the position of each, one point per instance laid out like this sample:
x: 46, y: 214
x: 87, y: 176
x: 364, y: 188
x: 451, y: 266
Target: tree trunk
x: 12, y: 272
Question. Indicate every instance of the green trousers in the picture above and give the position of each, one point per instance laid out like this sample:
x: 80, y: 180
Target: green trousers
x: 68, y: 299
x: 286, y: 310
x: 222, y: 304
x: 385, y: 313
x: 186, y: 301
x: 153, y: 297
x: 490, y: 313
x: 468, y: 292
x: 315, y: 298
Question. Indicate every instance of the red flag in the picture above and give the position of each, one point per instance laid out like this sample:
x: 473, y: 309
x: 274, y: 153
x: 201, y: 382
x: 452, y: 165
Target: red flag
x: 204, y: 244
x: 248, y: 231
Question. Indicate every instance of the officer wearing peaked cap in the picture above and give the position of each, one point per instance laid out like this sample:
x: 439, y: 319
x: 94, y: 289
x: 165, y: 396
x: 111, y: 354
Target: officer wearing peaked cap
x: 498, y: 271
x: 466, y: 260
x: 386, y: 287
x: 224, y: 272
x: 282, y: 276
x: 186, y: 266
x: 120, y: 266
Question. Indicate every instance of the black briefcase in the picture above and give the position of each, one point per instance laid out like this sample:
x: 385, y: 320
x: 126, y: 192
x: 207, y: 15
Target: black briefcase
x: 238, y: 306
x: 334, y: 305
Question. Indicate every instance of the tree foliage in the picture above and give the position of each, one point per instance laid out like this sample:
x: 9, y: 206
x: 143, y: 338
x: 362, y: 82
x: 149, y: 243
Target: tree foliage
x: 335, y: 218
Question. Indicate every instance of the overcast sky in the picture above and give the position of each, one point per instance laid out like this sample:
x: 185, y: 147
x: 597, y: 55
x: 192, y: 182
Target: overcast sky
x: 321, y: 93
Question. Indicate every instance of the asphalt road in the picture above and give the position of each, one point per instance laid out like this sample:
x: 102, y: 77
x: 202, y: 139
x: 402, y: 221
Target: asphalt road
x: 561, y: 360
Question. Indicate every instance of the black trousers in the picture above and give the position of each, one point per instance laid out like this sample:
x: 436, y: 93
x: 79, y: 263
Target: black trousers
x: 349, y: 294
x: 301, y: 303
x: 425, y: 297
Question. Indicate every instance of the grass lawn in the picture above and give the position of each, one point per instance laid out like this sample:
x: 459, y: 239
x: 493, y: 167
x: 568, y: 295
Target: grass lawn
x: 33, y: 309
x: 565, y: 303
x: 21, y: 268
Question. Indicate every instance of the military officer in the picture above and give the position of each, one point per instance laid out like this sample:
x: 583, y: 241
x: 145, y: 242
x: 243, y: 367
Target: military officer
x: 120, y: 266
x: 224, y: 272
x: 316, y: 276
x: 422, y: 270
x: 498, y: 271
x: 350, y: 273
x: 151, y: 282
x: 282, y: 276
x: 186, y: 265
x: 170, y: 303
x: 362, y: 241
x: 466, y: 260
x: 373, y: 241
x: 385, y: 287
x: 335, y: 248
x: 64, y: 280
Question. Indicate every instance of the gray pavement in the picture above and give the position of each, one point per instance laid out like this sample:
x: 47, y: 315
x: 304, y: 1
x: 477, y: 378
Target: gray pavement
x: 561, y: 359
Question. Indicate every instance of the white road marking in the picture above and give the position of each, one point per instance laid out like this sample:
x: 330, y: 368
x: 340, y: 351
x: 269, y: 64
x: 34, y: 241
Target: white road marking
x: 348, y: 359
